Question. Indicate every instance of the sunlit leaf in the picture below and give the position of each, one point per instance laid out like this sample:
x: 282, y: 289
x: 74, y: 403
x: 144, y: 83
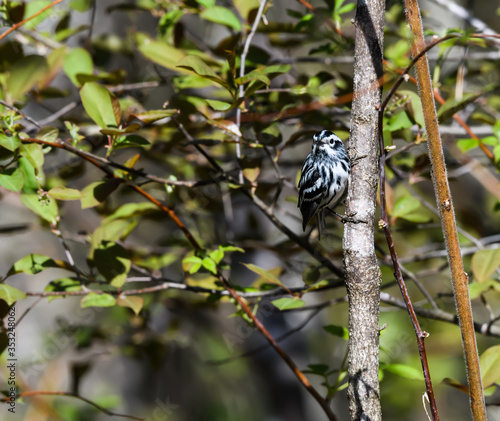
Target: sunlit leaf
x: 34, y: 154
x: 484, y: 263
x: 490, y: 366
x: 97, y: 192
x: 10, y: 294
x: 101, y: 105
x: 288, y: 303
x: 12, y: 179
x: 202, y: 69
x: 78, y: 62
x: 404, y: 206
x: 64, y: 193
x: 10, y: 142
x: 403, y: 370
x: 46, y: 209
x: 151, y: 116
x: 93, y: 299
x: 222, y: 15
x: 133, y: 302
x: 36, y: 263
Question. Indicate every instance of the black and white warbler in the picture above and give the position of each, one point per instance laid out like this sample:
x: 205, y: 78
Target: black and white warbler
x: 324, y: 177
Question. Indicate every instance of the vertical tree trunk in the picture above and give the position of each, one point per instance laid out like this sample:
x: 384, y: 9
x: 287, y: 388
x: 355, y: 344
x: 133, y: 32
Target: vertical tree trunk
x: 362, y: 272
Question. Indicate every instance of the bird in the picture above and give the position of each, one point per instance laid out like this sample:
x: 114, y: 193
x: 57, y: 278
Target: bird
x: 324, y: 178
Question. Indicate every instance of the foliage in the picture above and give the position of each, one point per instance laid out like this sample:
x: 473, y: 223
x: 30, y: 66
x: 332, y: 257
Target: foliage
x: 118, y: 141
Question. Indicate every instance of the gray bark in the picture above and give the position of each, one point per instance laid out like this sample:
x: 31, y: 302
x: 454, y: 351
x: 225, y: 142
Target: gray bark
x: 363, y: 276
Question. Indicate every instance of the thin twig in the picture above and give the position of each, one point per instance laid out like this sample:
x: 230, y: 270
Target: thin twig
x: 19, y: 24
x: 17, y: 110
x: 241, y: 89
x: 420, y: 334
x: 72, y: 395
x: 447, y: 215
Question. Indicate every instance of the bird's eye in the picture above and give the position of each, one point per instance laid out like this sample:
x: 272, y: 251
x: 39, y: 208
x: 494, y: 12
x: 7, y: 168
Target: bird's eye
x: 331, y: 141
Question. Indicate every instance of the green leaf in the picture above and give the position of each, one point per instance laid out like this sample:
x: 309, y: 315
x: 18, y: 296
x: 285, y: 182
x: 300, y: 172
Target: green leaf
x: 130, y: 210
x: 93, y: 299
x: 48, y: 133
x: 97, y: 192
x: 112, y: 261
x: 209, y: 265
x: 222, y: 15
x: 403, y: 370
x: 476, y: 288
x: 197, y: 65
x: 45, y: 209
x: 34, y: 154
x: 267, y: 275
x: 24, y: 73
x: 404, y: 206
x: 484, y: 263
x: 414, y: 105
x: 62, y: 285
x: 466, y: 145
x: 270, y: 135
x: 35, y: 263
x: 288, y: 303
x: 159, y: 52
x: 191, y: 264
x: 10, y: 294
x: 12, y: 179
x: 78, y: 62
x: 101, y: 105
x: 157, y: 262
x: 206, y: 3
x: 64, y: 193
x: 339, y: 331
x: 452, y: 106
x: 111, y: 231
x: 218, y: 105
x: 252, y: 76
x: 151, y: 116
x: 490, y: 366
x: 244, y: 7
x: 319, y: 369
x: 130, y: 141
x: 10, y: 142
x: 231, y: 248
x: 133, y: 302
x: 398, y: 122
x: 33, y: 7
x: 216, y: 255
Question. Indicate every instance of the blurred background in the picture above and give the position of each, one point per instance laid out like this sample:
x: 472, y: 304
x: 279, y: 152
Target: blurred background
x: 189, y: 355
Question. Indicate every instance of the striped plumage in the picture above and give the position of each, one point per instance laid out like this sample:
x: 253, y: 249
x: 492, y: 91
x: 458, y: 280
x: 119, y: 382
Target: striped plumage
x: 324, y: 177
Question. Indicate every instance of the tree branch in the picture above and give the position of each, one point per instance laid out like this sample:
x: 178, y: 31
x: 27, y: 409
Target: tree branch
x: 445, y: 206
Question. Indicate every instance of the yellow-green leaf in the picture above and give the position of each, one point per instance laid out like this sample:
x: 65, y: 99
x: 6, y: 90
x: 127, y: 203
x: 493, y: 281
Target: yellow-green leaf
x: 10, y: 294
x: 93, y: 299
x: 484, y: 263
x: 490, y: 366
x: 64, y: 193
x: 131, y: 301
x: 101, y: 105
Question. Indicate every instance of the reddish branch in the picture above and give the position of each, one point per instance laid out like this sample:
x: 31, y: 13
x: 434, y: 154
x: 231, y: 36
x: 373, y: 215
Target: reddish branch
x: 19, y: 24
x: 447, y: 214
